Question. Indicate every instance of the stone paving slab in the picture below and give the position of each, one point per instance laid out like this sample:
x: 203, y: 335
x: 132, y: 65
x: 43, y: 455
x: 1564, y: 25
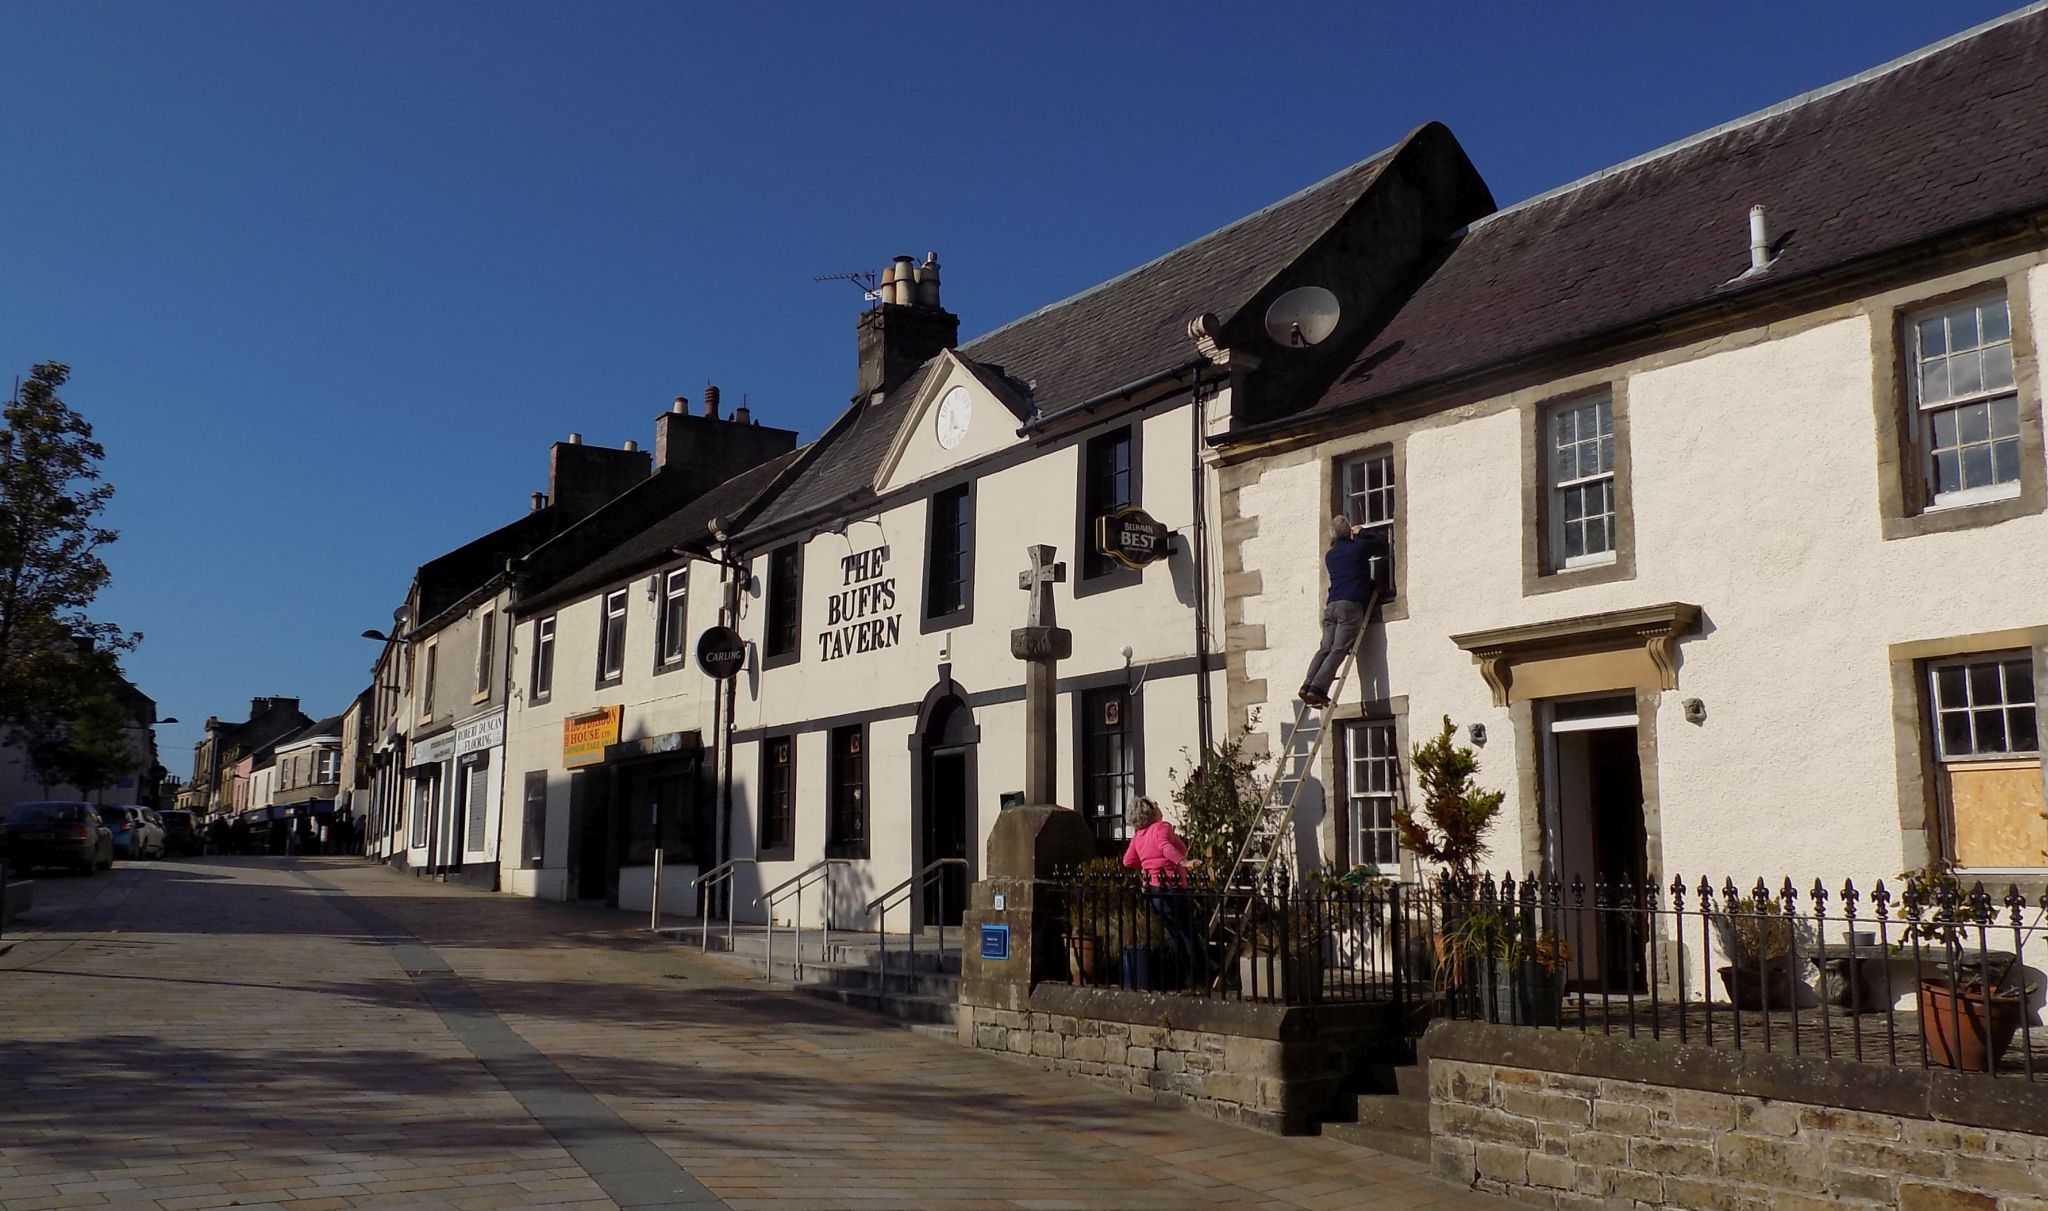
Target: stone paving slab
x: 324, y: 1033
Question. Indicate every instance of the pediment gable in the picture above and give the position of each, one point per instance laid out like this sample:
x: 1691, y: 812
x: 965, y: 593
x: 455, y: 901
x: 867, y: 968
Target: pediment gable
x: 972, y: 406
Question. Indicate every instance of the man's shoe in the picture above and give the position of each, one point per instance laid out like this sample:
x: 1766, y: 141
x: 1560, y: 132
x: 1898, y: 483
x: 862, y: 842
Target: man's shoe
x: 1314, y: 697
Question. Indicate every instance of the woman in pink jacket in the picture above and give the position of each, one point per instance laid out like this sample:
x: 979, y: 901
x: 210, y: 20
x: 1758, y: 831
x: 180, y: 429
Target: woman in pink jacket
x: 1162, y: 855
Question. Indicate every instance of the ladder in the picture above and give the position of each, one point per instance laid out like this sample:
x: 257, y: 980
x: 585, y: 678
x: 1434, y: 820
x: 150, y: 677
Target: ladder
x: 1271, y: 838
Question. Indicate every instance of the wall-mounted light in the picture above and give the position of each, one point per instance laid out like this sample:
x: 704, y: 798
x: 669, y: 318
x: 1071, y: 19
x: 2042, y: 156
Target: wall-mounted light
x: 1477, y: 731
x: 1695, y: 710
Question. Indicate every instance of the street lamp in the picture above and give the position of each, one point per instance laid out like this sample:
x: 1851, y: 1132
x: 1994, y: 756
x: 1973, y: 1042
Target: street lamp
x: 379, y: 636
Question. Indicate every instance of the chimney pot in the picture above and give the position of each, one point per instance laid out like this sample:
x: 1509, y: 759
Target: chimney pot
x: 711, y: 402
x: 631, y: 446
x: 540, y: 501
x: 740, y: 415
x: 575, y: 439
x: 1759, y: 238
x: 928, y: 281
x: 906, y: 281
x: 681, y: 406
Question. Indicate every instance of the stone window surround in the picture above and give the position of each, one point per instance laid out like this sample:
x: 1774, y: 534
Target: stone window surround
x: 1391, y: 440
x: 1542, y: 571
x: 1900, y: 475
x: 1337, y: 839
x: 1921, y: 825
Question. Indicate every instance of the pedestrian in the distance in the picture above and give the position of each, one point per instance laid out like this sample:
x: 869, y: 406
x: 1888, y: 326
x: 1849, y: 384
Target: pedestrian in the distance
x: 1353, y: 560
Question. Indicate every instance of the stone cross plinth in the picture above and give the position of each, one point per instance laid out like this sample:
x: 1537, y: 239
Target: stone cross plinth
x: 1041, y: 644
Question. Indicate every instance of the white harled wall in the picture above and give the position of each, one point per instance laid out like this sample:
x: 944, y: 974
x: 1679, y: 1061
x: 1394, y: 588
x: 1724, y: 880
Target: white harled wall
x: 1755, y: 492
x: 1027, y: 503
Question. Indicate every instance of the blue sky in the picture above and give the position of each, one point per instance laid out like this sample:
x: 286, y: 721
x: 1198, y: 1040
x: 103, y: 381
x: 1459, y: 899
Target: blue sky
x: 331, y: 277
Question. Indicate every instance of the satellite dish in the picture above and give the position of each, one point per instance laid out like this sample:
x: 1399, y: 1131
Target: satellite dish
x: 1304, y: 316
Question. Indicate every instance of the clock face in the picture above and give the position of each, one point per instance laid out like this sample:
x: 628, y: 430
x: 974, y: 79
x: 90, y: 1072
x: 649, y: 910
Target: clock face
x: 954, y: 412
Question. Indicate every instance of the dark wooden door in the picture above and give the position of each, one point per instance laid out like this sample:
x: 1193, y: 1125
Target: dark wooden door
x: 945, y: 835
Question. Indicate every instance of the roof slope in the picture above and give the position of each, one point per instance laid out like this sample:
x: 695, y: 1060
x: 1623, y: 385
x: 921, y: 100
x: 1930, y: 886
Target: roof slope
x: 1102, y: 338
x: 648, y: 542
x: 1947, y: 139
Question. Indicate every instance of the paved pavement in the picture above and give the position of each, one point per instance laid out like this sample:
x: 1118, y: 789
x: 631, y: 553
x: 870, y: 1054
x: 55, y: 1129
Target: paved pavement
x: 326, y: 1034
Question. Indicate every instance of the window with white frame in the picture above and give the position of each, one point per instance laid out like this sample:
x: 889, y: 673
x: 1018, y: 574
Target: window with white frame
x: 674, y: 617
x: 611, y: 636
x: 1365, y: 488
x: 329, y: 768
x: 1372, y: 790
x: 1987, y: 745
x: 543, y: 658
x: 1968, y: 411
x: 486, y: 642
x: 1580, y: 448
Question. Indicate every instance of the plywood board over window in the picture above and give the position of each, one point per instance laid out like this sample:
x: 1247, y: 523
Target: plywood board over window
x: 2001, y: 819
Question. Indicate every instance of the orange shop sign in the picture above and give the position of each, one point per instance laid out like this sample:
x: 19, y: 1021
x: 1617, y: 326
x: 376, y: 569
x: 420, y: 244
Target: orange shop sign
x: 585, y: 737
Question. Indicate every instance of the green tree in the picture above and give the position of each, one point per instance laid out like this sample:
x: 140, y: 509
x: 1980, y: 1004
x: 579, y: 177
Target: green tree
x: 51, y: 503
x: 93, y: 749
x: 1455, y: 814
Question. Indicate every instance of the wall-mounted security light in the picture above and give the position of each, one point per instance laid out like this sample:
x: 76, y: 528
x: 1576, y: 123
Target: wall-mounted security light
x: 1478, y: 733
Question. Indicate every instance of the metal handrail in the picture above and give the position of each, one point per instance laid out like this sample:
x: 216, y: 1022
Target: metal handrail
x: 920, y: 879
x: 796, y: 882
x: 721, y: 873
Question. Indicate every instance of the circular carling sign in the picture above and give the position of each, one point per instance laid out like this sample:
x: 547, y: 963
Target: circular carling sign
x: 721, y: 652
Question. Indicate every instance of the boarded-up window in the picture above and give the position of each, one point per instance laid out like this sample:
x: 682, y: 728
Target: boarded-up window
x: 1987, y: 740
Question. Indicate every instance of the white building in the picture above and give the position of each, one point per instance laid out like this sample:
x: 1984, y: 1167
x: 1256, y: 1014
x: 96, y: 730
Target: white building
x: 1726, y: 529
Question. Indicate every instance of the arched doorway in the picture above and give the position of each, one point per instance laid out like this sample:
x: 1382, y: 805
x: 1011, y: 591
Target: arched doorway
x: 943, y: 748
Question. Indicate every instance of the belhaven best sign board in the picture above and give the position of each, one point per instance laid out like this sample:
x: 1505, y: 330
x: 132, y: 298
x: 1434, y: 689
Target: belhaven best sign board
x: 1132, y: 537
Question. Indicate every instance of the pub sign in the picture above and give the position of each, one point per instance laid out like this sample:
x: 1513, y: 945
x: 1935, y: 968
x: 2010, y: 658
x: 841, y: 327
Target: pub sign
x: 1132, y: 537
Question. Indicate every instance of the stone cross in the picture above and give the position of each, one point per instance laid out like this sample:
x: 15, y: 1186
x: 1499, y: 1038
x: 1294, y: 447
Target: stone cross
x: 1041, y: 645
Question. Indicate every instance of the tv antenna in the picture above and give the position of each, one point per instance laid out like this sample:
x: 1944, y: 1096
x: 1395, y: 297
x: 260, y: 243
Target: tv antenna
x: 870, y: 287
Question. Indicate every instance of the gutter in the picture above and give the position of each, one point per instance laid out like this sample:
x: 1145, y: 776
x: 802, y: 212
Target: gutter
x: 1038, y: 424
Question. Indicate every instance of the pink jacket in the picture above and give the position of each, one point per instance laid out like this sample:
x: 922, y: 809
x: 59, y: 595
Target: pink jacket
x: 1157, y: 850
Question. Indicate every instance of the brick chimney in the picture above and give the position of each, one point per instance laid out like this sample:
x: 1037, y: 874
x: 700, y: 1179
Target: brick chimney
x: 581, y: 477
x: 710, y: 450
x: 907, y: 329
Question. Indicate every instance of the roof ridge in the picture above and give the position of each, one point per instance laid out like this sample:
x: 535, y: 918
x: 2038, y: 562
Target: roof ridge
x: 1770, y: 111
x: 1134, y: 270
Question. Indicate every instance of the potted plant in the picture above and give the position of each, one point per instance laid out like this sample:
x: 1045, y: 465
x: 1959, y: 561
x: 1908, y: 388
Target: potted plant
x: 1969, y: 1010
x: 1094, y: 900
x: 1450, y: 830
x: 1513, y: 969
x: 1756, y: 934
x: 1283, y: 960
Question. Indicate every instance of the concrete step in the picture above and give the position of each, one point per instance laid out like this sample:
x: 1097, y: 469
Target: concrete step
x: 857, y: 950
x: 930, y: 1010
x: 1412, y: 1080
x: 943, y: 985
x: 1410, y: 1144
x: 1393, y: 1112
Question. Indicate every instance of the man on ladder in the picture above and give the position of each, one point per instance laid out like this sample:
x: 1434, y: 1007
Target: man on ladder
x: 1354, y: 559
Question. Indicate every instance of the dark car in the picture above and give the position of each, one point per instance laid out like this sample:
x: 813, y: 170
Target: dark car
x: 136, y: 836
x: 181, y: 832
x: 60, y: 833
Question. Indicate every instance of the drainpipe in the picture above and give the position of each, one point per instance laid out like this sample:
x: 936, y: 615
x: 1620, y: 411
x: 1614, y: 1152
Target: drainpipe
x: 1200, y: 493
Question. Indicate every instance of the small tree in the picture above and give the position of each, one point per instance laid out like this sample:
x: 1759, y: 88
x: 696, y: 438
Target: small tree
x: 1455, y: 814
x: 1220, y: 798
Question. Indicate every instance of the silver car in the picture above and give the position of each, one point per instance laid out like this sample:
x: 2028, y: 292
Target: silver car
x: 137, y: 833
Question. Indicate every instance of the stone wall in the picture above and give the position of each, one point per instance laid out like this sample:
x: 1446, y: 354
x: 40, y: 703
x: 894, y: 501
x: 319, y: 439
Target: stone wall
x: 1609, y: 1133
x: 1273, y: 1067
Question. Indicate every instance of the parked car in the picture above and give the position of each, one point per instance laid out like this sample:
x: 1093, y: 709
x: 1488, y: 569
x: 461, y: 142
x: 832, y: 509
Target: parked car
x: 135, y: 836
x: 58, y: 833
x: 181, y: 832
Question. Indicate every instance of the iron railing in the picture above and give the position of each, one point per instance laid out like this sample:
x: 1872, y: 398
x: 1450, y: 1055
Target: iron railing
x: 1935, y: 974
x: 907, y: 893
x: 706, y: 885
x: 1269, y: 939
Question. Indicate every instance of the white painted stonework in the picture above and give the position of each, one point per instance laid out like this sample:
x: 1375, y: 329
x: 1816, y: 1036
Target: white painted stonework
x: 1755, y: 491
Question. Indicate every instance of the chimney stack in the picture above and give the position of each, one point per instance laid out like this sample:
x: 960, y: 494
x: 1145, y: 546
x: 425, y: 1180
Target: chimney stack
x: 711, y: 401
x: 907, y: 329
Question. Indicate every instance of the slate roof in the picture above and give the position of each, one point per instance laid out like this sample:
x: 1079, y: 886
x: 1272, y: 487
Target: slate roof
x: 1948, y: 139
x: 449, y: 578
x: 654, y: 521
x: 1100, y: 339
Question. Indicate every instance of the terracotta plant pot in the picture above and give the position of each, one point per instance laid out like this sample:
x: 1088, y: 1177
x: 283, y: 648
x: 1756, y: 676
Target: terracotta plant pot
x: 1765, y: 990
x: 1965, y: 1028
x: 1081, y: 958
